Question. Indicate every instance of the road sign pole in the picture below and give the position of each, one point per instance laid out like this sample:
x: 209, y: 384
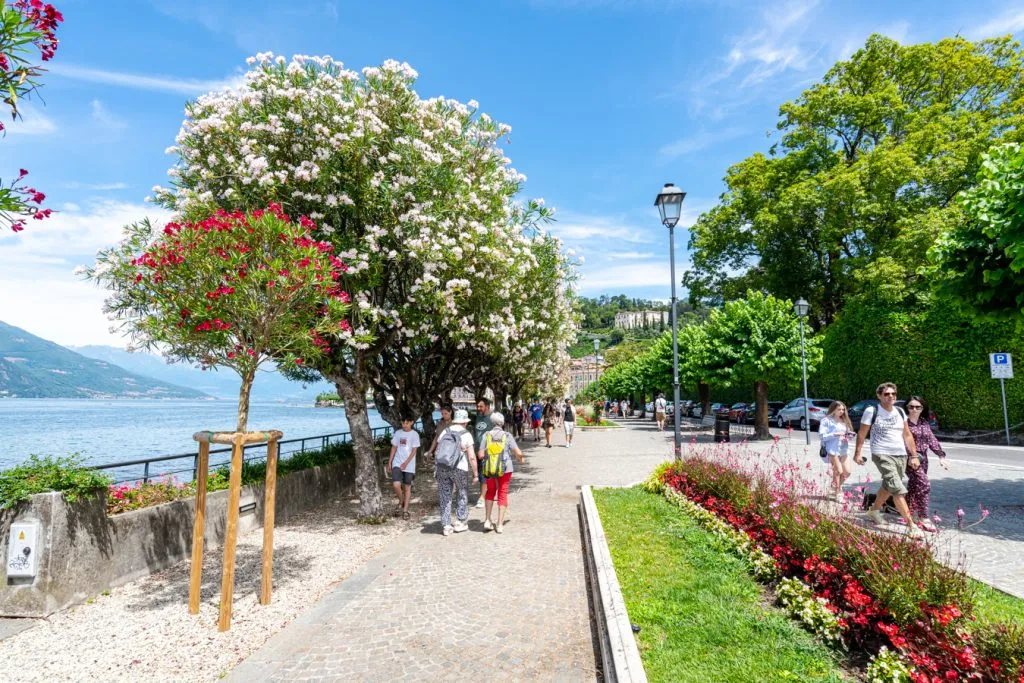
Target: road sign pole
x: 1006, y: 417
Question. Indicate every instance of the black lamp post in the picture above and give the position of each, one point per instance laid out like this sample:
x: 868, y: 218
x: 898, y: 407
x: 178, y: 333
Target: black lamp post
x: 802, y: 308
x: 670, y: 205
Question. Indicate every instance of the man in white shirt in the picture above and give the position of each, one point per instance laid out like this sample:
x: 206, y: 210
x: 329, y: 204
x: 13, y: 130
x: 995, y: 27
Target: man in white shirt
x: 891, y: 441
x: 659, y: 411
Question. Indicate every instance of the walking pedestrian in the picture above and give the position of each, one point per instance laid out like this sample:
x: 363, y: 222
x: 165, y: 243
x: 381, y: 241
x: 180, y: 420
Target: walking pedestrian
x: 455, y: 463
x: 481, y: 426
x: 835, y: 432
x: 659, y: 411
x: 446, y: 421
x: 550, y: 416
x: 496, y: 455
x: 623, y: 408
x: 536, y: 417
x: 403, y: 464
x: 919, y: 486
x: 891, y: 441
x: 519, y: 418
x: 569, y: 422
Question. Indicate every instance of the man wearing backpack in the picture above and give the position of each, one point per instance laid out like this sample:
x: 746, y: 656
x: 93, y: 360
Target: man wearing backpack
x: 496, y: 453
x: 455, y: 459
x: 481, y: 426
x: 891, y: 441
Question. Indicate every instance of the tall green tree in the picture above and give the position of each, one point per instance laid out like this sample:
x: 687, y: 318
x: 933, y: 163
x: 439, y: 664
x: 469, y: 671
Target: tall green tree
x: 863, y: 176
x: 756, y: 340
x: 979, y: 263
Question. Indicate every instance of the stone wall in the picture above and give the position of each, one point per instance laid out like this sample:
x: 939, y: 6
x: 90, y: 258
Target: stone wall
x: 83, y: 551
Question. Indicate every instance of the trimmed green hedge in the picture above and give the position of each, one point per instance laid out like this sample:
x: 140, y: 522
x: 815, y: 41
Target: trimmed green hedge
x: 933, y: 351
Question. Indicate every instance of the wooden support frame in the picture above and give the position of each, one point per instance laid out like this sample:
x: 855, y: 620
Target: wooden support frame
x: 238, y: 441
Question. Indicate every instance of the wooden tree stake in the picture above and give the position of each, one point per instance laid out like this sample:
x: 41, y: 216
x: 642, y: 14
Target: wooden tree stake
x: 198, y: 528
x: 269, y: 501
x: 227, y: 585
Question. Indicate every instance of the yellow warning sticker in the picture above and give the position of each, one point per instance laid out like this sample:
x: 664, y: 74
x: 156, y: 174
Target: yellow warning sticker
x: 21, y: 536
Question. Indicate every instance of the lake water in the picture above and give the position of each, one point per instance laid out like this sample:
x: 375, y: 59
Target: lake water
x: 112, y: 431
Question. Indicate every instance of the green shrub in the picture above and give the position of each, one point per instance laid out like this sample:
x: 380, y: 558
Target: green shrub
x: 67, y: 475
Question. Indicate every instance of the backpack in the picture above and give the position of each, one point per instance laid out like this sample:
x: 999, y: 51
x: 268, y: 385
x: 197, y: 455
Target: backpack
x: 449, y: 449
x: 494, y: 460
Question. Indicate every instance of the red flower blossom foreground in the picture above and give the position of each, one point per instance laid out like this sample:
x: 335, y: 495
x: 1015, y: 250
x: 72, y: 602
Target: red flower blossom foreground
x: 886, y: 591
x: 234, y: 290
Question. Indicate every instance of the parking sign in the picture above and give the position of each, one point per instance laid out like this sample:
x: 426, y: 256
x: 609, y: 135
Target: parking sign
x: 1001, y: 365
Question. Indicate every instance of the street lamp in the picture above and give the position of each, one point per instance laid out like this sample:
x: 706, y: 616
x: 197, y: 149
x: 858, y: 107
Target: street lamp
x: 597, y: 361
x: 670, y: 205
x: 802, y: 308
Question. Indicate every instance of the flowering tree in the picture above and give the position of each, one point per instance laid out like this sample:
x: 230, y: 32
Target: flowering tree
x: 233, y: 290
x: 415, y: 194
x: 23, y: 24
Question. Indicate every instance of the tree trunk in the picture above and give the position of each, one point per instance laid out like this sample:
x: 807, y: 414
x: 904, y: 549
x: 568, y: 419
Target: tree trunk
x: 371, y: 505
x: 704, y: 393
x: 243, y: 401
x: 500, y: 400
x: 761, y: 411
x: 429, y: 427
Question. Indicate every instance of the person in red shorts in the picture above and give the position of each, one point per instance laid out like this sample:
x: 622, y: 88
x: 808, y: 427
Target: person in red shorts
x: 497, y: 487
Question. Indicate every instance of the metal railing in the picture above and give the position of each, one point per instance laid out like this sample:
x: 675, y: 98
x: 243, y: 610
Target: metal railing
x: 175, y: 465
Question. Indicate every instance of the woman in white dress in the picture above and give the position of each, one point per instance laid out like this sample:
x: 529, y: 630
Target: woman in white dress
x: 835, y: 433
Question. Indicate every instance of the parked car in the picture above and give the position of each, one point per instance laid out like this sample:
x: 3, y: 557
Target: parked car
x: 793, y: 412
x: 773, y: 409
x: 696, y: 410
x: 858, y: 408
x: 738, y: 411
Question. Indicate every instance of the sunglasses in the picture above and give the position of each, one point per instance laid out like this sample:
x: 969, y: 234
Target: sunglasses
x: 888, y: 393
x: 915, y: 407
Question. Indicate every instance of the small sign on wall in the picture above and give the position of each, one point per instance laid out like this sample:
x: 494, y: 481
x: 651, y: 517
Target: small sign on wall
x: 22, y: 551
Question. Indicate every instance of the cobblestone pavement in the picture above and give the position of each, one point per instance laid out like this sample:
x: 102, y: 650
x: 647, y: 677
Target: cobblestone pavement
x: 506, y: 607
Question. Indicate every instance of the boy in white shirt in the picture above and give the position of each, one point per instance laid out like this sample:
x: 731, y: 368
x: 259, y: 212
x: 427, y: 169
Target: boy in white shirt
x: 403, y: 464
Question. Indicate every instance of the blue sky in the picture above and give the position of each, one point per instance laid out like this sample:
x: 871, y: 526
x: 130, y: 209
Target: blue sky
x: 607, y: 99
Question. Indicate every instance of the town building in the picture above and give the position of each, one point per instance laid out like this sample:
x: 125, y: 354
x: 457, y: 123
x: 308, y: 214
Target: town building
x: 629, y: 320
x: 583, y: 373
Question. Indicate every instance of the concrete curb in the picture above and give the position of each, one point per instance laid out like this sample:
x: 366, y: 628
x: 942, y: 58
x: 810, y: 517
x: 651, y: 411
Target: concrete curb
x: 620, y: 657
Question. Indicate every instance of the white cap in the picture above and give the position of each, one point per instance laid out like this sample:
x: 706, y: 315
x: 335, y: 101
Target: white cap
x: 461, y: 417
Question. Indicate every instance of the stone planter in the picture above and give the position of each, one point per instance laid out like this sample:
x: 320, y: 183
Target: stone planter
x: 82, y: 551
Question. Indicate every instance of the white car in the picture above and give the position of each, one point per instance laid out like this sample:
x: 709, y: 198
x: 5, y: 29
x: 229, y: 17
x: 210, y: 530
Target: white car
x: 793, y: 413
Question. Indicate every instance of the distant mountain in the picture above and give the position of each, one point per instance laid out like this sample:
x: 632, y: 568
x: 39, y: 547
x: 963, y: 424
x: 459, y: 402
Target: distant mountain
x: 31, y: 367
x: 269, y: 386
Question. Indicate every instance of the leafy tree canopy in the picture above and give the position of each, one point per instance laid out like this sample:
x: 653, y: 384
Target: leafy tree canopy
x: 863, y: 176
x: 979, y: 264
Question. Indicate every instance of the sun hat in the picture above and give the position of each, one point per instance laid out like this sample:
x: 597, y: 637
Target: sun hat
x: 461, y: 417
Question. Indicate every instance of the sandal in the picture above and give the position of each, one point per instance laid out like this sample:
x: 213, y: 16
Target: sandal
x: 405, y: 515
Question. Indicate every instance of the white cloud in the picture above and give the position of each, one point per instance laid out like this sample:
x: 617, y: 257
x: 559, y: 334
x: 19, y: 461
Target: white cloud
x: 625, y: 278
x: 630, y: 255
x: 103, y: 116
x: 171, y: 84
x: 39, y: 291
x: 30, y: 122
x: 697, y: 142
x: 1009, y: 22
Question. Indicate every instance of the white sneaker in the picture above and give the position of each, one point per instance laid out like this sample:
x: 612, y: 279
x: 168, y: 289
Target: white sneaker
x: 488, y: 525
x: 498, y: 528
x: 875, y: 516
x: 914, y: 531
x: 447, y: 531
x: 459, y: 527
x: 568, y: 445
x: 479, y: 502
x: 839, y: 497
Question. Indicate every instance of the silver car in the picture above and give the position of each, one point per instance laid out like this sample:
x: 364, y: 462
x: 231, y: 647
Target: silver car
x: 793, y: 413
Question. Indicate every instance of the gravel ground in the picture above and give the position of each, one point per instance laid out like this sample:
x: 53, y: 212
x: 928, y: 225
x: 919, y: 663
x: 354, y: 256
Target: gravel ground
x: 143, y: 631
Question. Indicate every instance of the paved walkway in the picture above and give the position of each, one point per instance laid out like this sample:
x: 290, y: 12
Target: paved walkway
x: 507, y: 607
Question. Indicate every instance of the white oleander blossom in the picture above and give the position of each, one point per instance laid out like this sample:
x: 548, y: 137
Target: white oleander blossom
x: 415, y: 194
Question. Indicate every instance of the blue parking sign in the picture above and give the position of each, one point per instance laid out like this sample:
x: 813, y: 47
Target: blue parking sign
x: 1001, y: 365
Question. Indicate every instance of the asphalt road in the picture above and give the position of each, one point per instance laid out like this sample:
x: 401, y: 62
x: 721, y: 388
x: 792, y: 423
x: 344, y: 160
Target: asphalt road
x: 1002, y: 456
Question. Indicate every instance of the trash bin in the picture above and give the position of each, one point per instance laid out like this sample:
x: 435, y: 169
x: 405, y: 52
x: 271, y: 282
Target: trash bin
x: 721, y: 429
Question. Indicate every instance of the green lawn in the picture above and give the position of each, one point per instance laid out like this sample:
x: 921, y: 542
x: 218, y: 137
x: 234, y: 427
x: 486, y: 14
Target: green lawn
x: 702, y: 616
x: 991, y: 605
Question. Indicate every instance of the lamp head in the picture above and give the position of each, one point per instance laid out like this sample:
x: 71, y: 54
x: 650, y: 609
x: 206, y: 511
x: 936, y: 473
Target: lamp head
x: 670, y: 204
x: 801, y: 307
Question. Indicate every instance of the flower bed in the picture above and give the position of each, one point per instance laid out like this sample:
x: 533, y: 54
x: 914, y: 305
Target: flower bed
x: 882, y: 592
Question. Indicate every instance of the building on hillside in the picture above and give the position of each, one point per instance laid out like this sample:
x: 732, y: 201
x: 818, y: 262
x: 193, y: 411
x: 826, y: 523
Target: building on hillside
x: 629, y: 320
x: 463, y: 397
x: 583, y: 373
